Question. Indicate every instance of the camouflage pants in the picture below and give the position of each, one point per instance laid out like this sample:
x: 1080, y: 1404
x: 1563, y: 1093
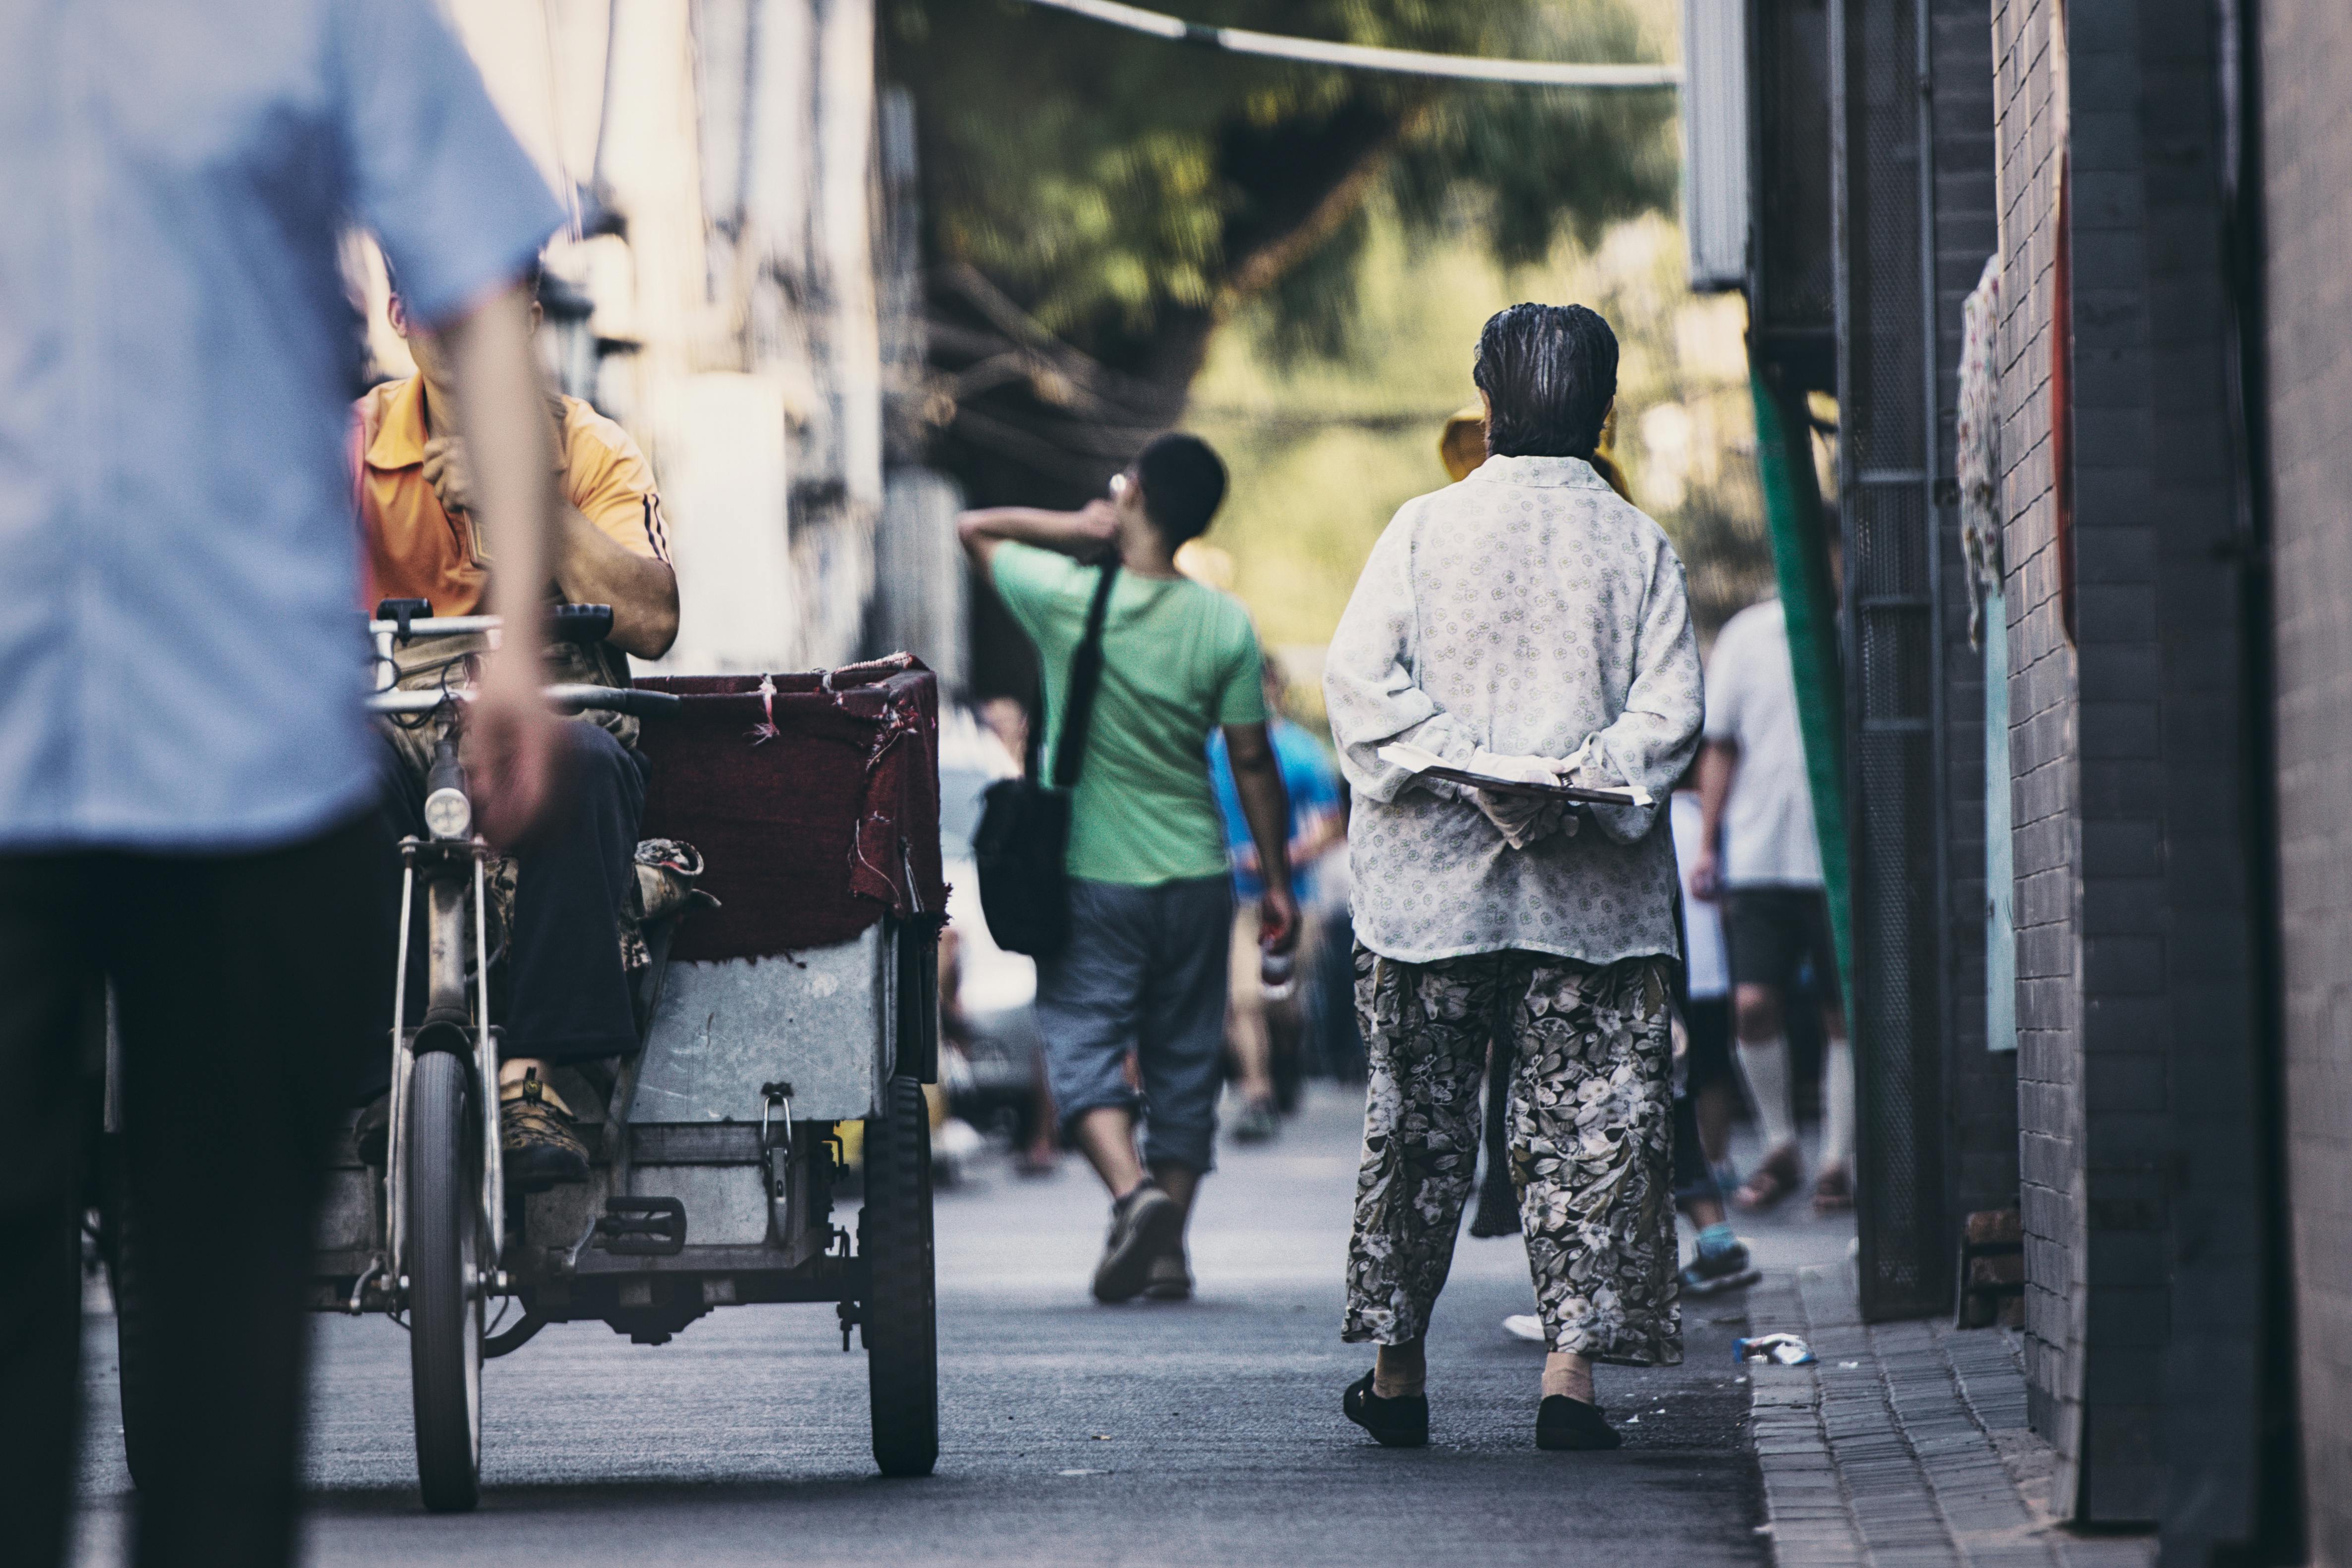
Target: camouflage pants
x: 1591, y: 1136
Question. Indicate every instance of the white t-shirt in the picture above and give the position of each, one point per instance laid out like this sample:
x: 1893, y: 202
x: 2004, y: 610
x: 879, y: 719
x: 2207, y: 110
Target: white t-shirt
x: 1703, y: 949
x: 1751, y: 701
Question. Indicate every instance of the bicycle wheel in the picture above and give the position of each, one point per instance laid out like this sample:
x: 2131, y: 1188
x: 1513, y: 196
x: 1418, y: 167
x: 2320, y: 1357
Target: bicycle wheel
x: 445, y: 1282
x: 894, y: 1234
x: 133, y: 1316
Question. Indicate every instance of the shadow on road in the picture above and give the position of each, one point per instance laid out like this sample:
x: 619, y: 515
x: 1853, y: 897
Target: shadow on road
x: 1207, y: 1432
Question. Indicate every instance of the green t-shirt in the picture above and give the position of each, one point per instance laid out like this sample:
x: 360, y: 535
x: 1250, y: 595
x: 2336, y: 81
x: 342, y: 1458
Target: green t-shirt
x: 1179, y: 660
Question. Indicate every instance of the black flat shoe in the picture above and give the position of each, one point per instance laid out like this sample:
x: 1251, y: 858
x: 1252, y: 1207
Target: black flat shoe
x: 1565, y: 1423
x: 1400, y: 1422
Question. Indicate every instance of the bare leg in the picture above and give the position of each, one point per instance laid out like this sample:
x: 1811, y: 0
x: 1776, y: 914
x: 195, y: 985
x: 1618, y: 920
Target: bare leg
x: 1713, y: 1105
x: 1179, y: 1182
x: 1044, y: 1150
x: 1400, y: 1371
x: 1253, y: 1055
x: 1107, y: 1135
x: 1837, y: 1089
x: 1834, y: 1187
x: 1567, y: 1373
x: 1247, y: 1031
x: 512, y: 1070
x: 1763, y: 1057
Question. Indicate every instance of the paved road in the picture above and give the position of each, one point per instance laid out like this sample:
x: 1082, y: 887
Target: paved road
x: 1206, y: 1433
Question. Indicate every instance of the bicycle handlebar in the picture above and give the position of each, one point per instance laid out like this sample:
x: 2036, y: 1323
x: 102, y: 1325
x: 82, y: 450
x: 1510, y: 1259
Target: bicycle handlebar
x: 437, y: 626
x: 616, y: 698
x: 566, y: 623
x: 572, y: 697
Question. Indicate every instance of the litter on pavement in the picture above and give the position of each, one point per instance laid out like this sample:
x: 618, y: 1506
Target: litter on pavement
x: 1783, y: 1350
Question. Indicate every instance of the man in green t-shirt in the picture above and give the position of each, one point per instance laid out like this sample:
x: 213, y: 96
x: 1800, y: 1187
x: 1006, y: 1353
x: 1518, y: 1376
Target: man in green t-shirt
x: 1151, y: 895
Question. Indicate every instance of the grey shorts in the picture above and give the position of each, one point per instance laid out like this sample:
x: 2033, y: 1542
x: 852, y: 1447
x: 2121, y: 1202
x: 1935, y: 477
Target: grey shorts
x: 1145, y: 971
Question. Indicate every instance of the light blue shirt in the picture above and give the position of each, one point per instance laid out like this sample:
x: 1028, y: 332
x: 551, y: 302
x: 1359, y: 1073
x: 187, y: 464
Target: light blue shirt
x: 180, y: 650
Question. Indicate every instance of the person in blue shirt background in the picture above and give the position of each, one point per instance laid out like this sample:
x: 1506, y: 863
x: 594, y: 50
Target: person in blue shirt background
x: 1264, y: 1022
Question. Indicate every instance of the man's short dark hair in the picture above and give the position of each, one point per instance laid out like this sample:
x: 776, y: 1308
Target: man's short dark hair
x: 1183, y: 485
x: 1549, y: 373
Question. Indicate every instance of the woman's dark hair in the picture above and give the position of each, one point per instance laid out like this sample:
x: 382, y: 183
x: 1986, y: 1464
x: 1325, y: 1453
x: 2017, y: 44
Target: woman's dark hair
x: 1183, y: 485
x: 1549, y: 373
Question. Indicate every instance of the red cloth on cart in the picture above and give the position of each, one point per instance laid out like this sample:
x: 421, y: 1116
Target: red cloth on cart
x: 816, y: 809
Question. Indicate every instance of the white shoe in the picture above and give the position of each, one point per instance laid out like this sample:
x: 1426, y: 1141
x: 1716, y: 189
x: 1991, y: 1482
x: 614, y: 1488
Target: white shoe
x: 955, y: 1145
x: 1524, y: 1326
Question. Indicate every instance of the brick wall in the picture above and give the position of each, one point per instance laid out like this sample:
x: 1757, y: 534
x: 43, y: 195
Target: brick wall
x: 2180, y: 1144
x: 2043, y: 704
x: 2120, y: 730
x: 2137, y: 1080
x: 2306, y: 52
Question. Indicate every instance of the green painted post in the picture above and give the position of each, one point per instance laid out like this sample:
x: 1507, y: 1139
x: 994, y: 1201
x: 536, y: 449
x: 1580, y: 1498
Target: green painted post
x: 1800, y: 560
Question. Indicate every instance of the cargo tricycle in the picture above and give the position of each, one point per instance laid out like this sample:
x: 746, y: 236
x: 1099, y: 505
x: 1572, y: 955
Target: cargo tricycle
x: 796, y: 992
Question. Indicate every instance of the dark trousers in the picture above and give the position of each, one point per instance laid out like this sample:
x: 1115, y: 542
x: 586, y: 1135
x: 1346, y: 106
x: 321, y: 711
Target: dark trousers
x: 242, y: 984
x: 565, y: 994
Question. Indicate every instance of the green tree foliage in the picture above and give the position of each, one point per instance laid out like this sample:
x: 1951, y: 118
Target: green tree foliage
x: 1096, y: 200
x: 1323, y: 450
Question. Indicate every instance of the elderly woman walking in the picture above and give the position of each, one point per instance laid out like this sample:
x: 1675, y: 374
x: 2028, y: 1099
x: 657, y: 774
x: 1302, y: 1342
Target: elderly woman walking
x: 1525, y: 624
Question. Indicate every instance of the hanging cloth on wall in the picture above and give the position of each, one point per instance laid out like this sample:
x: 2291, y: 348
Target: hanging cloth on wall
x: 1979, y: 444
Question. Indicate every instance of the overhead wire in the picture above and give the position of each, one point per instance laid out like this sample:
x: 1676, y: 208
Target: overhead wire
x: 1365, y: 57
x: 1075, y: 451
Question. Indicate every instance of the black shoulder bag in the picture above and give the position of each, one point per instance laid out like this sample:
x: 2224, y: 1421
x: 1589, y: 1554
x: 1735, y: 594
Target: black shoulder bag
x: 1024, y: 822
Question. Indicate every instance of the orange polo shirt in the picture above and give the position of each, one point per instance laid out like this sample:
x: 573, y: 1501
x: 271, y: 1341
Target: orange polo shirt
x: 415, y: 550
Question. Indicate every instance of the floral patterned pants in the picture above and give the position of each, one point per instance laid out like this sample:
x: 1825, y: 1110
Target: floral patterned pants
x: 1591, y: 1131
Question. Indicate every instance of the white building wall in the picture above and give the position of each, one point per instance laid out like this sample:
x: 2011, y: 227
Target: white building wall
x: 735, y: 301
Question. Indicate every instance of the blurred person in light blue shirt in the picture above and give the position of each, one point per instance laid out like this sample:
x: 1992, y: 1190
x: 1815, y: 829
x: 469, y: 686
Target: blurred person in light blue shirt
x: 186, y: 785
x: 1263, y: 1030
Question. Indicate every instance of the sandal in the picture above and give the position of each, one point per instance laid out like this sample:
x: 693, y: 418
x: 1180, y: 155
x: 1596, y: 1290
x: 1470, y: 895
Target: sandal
x: 1833, y: 1190
x: 1772, y: 1181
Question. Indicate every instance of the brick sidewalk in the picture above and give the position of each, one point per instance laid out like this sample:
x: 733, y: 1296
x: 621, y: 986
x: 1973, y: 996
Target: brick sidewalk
x: 1906, y: 1446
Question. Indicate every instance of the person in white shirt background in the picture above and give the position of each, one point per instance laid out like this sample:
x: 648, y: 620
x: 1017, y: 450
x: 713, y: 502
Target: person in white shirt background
x: 1759, y: 855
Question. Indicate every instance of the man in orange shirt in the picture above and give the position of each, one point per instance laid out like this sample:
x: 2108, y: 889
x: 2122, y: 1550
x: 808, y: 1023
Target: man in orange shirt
x: 567, y: 996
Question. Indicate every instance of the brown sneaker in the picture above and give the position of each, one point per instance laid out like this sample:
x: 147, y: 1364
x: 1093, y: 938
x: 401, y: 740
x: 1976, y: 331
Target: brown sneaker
x: 538, y: 1142
x: 1833, y: 1190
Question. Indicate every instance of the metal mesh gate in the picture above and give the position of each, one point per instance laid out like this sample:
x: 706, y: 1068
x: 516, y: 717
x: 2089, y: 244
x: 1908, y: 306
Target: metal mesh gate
x: 1893, y: 658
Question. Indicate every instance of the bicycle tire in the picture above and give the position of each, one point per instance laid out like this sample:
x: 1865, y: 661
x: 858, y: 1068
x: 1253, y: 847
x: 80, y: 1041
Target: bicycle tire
x: 445, y: 1293
x: 134, y: 1358
x: 900, y: 1320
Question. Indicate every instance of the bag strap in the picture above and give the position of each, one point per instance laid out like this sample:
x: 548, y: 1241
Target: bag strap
x: 1033, y: 750
x: 1086, y: 676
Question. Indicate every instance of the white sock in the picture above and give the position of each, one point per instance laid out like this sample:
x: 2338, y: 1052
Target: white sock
x: 1837, y: 1103
x: 1765, y: 1065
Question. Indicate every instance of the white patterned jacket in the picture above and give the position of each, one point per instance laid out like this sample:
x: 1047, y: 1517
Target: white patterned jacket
x: 1527, y: 610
